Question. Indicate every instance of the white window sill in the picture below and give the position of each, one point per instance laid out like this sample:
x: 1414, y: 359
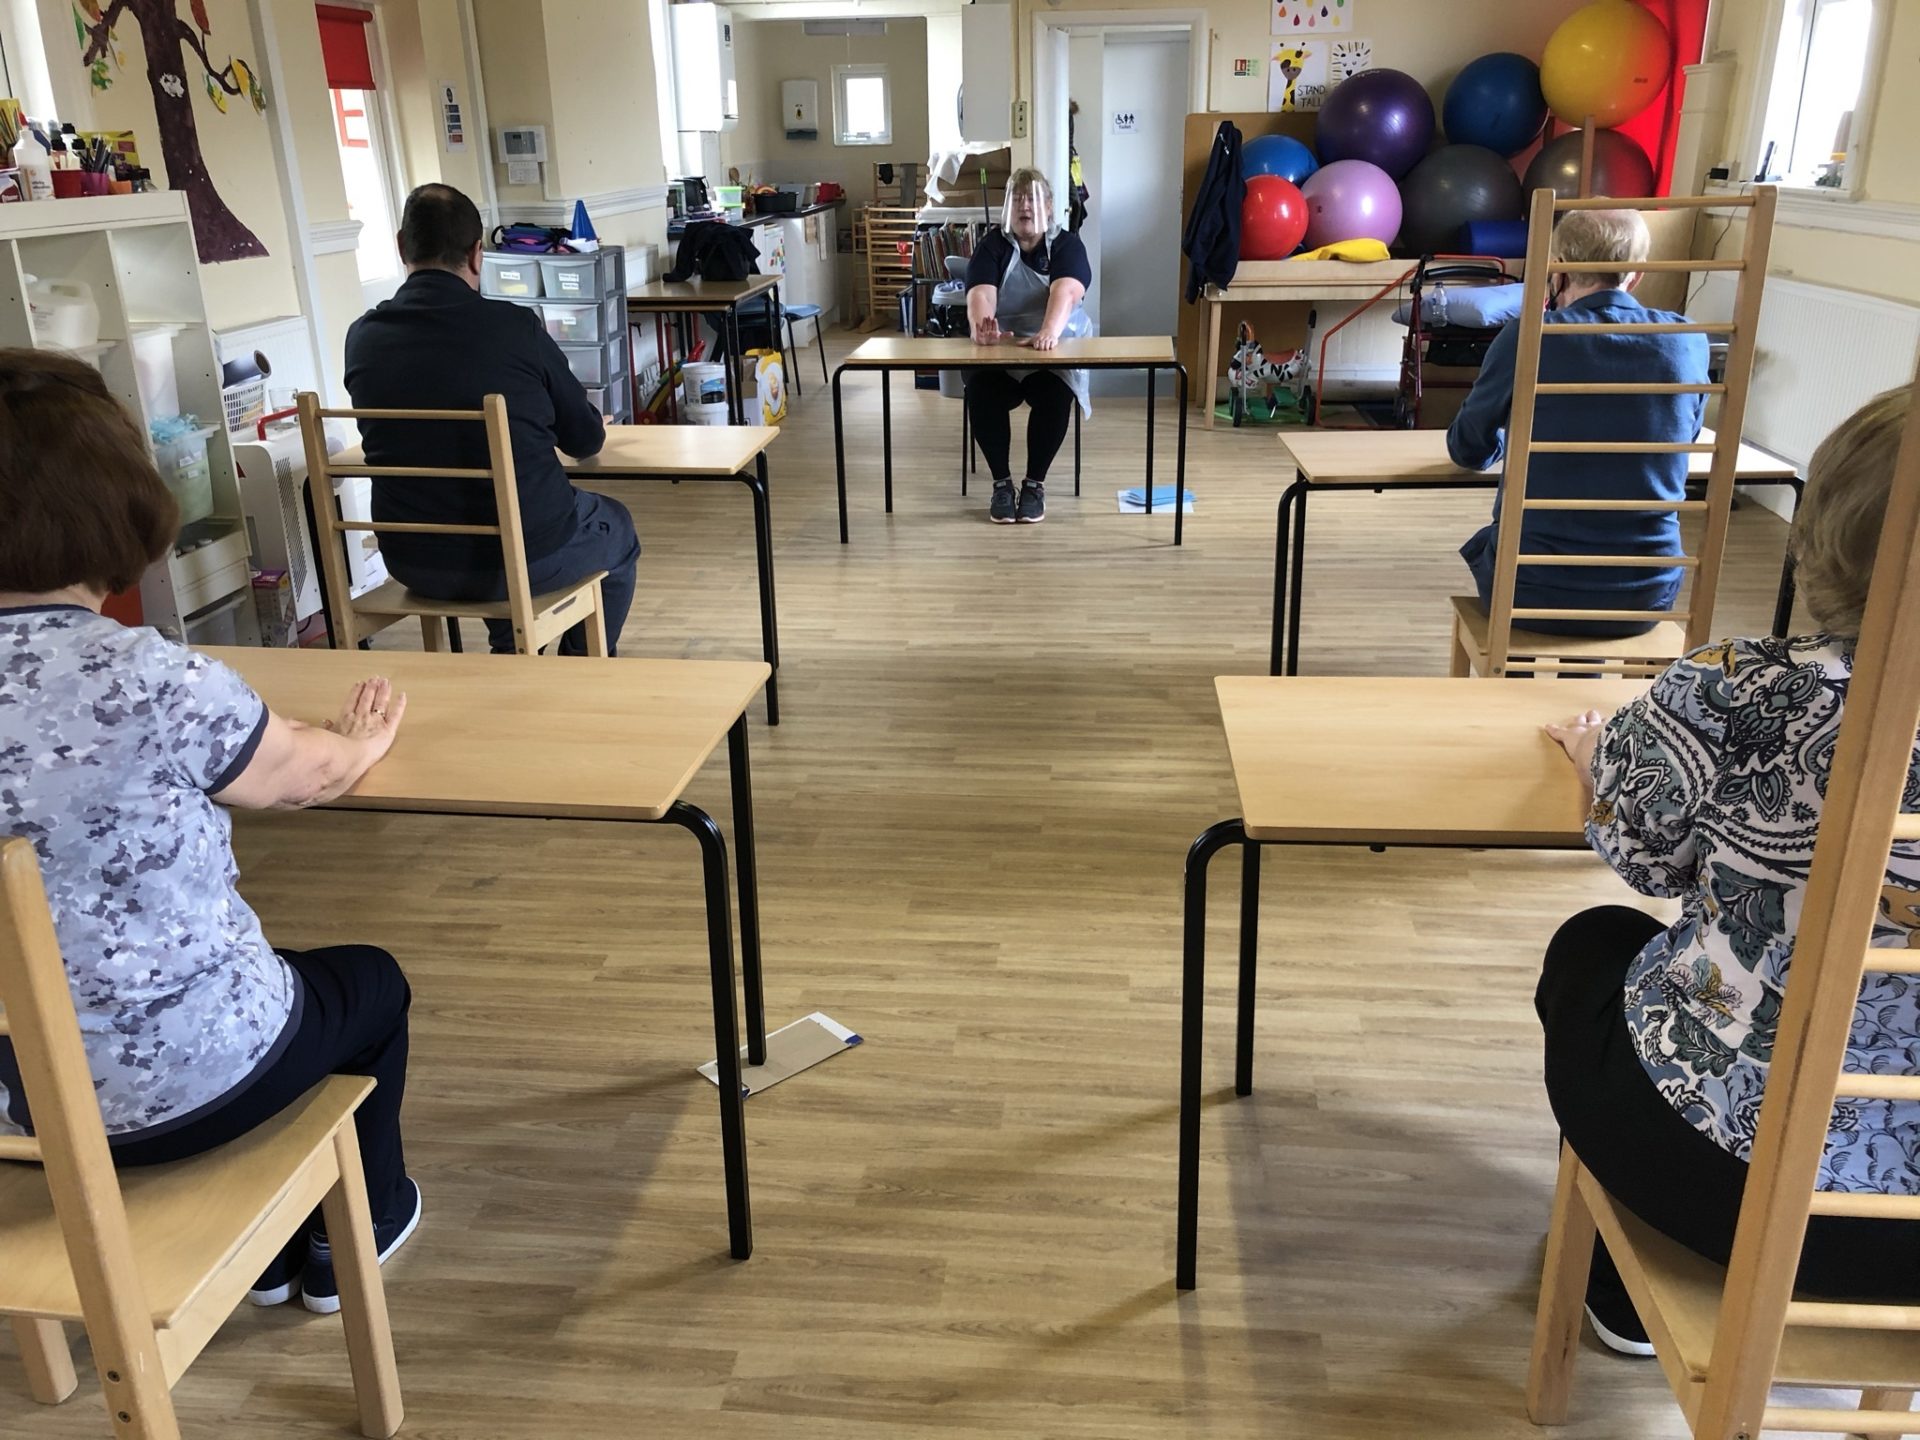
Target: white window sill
x: 1815, y: 207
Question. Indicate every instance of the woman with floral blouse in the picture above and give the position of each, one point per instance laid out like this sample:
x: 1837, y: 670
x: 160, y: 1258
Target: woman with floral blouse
x: 1708, y: 790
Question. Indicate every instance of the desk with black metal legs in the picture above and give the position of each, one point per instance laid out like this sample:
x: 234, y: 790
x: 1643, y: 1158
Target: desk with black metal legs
x: 720, y: 298
x: 519, y: 737
x: 1382, y: 460
x: 888, y: 353
x: 1420, y: 762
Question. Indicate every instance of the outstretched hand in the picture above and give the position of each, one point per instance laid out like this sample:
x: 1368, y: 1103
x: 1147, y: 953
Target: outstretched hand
x: 1580, y: 737
x: 1042, y: 340
x: 371, y: 714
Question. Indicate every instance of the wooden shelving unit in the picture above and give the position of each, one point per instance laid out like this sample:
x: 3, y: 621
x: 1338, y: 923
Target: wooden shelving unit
x: 136, y: 254
x: 888, y: 240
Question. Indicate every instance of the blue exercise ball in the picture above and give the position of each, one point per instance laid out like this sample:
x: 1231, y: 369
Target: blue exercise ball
x: 1280, y: 155
x: 1495, y: 102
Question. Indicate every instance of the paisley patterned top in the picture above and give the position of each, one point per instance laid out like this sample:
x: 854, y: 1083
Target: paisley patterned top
x: 1708, y: 789
x: 111, y: 743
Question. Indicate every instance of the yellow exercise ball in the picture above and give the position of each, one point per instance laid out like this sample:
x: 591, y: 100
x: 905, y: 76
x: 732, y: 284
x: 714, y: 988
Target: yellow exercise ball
x: 1608, y: 60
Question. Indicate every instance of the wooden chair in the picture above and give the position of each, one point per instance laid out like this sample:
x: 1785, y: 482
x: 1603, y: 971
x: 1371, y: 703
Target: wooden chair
x: 152, y: 1261
x: 538, y: 620
x: 1486, y: 641
x: 1726, y: 1338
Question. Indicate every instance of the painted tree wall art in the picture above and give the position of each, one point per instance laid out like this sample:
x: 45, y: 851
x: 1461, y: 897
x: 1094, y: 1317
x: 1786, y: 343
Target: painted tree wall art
x: 177, y: 49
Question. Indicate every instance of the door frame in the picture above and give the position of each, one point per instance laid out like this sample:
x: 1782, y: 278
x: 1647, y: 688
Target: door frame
x: 1050, y: 109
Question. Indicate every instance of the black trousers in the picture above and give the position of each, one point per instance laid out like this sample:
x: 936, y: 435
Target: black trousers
x: 993, y: 396
x: 1646, y: 1154
x: 354, y: 1022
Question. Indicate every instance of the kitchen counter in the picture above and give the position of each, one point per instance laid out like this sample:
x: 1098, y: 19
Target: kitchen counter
x: 676, y: 227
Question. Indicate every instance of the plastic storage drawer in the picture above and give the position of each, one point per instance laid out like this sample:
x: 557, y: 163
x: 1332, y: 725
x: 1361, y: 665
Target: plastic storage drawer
x: 511, y: 277
x: 582, y: 324
x: 578, y: 277
x: 588, y: 363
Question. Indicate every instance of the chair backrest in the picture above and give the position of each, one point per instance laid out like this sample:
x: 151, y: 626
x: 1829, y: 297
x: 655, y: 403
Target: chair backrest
x: 1703, y: 566
x: 322, y: 472
x: 1832, y: 951
x: 71, y: 1143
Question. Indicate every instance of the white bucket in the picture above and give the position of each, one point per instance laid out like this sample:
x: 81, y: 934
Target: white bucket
x: 153, y: 370
x: 707, y: 414
x: 704, y: 384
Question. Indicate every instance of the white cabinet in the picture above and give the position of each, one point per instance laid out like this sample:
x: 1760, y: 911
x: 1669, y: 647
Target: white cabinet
x: 810, y: 271
x: 986, y: 72
x: 706, y: 95
x: 136, y: 257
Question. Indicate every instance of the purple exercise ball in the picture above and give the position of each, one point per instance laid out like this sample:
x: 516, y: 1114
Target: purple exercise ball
x: 1384, y: 117
x: 1351, y: 200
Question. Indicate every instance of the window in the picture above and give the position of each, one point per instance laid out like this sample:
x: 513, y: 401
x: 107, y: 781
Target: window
x: 368, y: 163
x: 862, y: 105
x: 1813, y: 127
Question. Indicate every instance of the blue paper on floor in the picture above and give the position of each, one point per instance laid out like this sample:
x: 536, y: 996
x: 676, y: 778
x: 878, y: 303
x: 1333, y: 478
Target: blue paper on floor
x: 1134, y: 501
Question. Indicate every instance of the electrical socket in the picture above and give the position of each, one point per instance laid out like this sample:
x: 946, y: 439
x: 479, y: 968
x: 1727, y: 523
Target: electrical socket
x: 1019, y: 120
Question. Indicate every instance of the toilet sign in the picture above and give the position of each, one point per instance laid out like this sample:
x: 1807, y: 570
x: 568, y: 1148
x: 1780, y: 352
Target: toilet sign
x: 1125, y: 122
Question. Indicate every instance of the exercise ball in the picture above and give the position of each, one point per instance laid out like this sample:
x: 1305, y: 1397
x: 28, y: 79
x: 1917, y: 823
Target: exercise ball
x: 1383, y: 117
x: 1608, y: 60
x: 1620, y: 166
x: 1351, y: 200
x: 1495, y: 102
x: 1452, y: 187
x: 1273, y: 219
x: 1280, y: 155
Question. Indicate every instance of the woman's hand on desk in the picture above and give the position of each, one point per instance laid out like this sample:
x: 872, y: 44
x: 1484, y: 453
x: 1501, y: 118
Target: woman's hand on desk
x: 988, y: 332
x: 1042, y: 340
x: 296, y: 764
x: 371, y: 716
x: 1580, y: 737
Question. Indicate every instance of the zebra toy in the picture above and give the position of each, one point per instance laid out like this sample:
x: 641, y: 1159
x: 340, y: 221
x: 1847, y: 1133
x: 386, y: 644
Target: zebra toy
x: 1251, y: 370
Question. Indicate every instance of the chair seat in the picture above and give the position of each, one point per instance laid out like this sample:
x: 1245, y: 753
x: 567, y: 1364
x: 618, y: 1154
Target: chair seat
x: 188, y: 1219
x: 801, y: 312
x: 1666, y: 641
x: 1685, y: 1291
x: 394, y: 598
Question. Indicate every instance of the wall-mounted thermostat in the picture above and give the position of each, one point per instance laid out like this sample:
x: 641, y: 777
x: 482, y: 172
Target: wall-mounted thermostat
x: 520, y: 142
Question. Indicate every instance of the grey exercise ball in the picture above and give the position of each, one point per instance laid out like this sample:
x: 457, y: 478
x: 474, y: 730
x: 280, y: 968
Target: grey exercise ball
x: 1454, y: 185
x: 1620, y: 166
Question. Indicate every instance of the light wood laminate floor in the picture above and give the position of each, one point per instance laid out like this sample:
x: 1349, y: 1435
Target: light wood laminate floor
x: 997, y: 743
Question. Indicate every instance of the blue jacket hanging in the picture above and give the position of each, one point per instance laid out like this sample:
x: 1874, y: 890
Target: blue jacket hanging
x: 1212, y: 237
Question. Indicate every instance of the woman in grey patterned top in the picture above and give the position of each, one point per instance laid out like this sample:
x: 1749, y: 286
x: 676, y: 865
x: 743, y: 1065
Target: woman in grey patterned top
x: 118, y: 752
x: 1708, y: 790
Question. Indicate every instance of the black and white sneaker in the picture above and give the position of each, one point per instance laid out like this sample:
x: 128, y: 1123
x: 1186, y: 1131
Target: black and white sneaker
x: 1619, y: 1329
x: 1001, y: 511
x: 281, y: 1280
x: 1033, y: 503
x: 319, y: 1290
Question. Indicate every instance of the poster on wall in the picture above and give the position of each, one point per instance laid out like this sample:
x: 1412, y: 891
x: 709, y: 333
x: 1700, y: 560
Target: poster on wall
x: 175, y: 50
x: 453, y: 124
x: 1349, y: 58
x: 1315, y: 17
x: 1298, y: 77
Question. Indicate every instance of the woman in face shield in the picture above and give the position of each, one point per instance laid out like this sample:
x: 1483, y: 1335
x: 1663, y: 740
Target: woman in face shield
x: 1024, y: 286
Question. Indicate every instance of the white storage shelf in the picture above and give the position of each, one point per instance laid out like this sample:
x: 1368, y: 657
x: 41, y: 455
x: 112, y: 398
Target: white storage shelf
x: 137, y: 256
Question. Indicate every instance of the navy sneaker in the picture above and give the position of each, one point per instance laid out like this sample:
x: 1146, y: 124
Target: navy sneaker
x: 319, y: 1291
x: 1033, y: 503
x: 1617, y: 1327
x: 1001, y: 511
x: 280, y: 1282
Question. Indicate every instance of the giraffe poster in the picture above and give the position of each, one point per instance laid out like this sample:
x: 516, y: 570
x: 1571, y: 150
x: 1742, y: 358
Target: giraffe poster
x: 1313, y: 17
x: 1298, y: 77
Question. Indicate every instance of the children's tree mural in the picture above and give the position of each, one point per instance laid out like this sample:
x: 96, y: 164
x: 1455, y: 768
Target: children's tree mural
x: 168, y: 40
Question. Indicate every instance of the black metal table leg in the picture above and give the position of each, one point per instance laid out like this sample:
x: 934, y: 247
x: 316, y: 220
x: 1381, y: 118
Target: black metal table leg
x: 791, y: 347
x: 1193, y: 1004
x: 966, y: 443
x: 730, y: 342
x: 319, y: 564
x: 726, y: 1021
x: 840, y: 453
x: 1180, y: 458
x: 747, y: 878
x: 1783, y: 601
x: 454, y: 642
x: 1076, y: 447
x: 763, y: 556
x: 1277, y: 663
x: 1249, y: 952
x: 1299, y: 579
x: 1150, y: 375
x: 886, y: 432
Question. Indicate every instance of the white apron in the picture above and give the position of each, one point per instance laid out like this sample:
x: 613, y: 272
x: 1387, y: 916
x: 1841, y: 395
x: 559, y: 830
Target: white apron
x: 1022, y: 308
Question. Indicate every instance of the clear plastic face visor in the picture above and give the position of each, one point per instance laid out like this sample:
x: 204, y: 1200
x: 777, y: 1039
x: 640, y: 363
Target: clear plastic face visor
x: 1029, y: 208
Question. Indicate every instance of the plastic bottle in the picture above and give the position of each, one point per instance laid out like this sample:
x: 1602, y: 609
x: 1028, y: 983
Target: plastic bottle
x: 58, y: 156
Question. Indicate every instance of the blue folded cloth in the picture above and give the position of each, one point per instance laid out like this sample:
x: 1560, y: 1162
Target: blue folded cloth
x: 1162, y: 497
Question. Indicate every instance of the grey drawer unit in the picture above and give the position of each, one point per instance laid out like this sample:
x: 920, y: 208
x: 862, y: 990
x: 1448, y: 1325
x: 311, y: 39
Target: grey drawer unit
x: 581, y: 301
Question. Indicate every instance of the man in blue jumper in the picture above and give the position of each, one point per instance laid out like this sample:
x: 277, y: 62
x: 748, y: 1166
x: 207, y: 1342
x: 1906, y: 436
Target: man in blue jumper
x: 1611, y: 242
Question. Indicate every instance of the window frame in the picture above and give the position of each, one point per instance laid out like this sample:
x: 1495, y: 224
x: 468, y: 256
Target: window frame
x: 1767, y: 81
x: 843, y: 73
x: 383, y: 133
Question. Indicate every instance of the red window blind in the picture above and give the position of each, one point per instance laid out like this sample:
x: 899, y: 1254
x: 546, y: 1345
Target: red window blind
x: 343, y: 46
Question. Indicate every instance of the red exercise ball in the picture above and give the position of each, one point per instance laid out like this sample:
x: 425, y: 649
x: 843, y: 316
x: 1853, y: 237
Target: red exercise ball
x: 1273, y: 221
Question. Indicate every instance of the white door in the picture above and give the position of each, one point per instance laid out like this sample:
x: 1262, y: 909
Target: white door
x: 1136, y: 192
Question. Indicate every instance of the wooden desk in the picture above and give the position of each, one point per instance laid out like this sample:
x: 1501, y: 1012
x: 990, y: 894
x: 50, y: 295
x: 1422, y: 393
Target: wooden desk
x: 1429, y: 762
x: 888, y: 353
x: 605, y: 740
x: 676, y: 453
x: 1382, y: 460
x: 683, y: 298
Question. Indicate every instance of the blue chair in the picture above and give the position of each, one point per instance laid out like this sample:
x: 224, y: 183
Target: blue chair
x: 806, y: 312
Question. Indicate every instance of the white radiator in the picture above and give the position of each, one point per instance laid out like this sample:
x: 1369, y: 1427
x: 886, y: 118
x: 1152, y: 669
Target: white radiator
x: 1821, y: 354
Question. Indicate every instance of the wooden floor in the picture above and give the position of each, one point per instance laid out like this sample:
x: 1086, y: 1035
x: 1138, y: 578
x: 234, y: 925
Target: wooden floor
x: 997, y: 745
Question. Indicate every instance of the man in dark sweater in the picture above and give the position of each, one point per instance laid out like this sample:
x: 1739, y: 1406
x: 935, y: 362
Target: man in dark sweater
x: 437, y: 345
